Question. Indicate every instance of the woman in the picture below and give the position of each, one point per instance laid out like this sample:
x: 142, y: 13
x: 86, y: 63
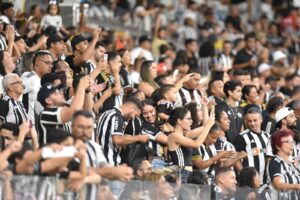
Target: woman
x: 250, y: 96
x: 150, y: 127
x: 283, y: 175
x: 148, y: 74
x: 179, y: 146
x: 6, y: 66
x: 249, y: 178
x: 126, y: 68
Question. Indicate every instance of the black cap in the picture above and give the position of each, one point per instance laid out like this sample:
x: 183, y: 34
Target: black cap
x: 144, y: 38
x: 76, y: 40
x: 18, y: 37
x: 54, y: 38
x: 5, y: 6
x: 45, y: 91
x: 49, y: 78
x: 50, y: 30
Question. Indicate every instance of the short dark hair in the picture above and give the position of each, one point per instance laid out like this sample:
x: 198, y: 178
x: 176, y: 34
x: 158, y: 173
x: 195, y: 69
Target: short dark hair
x: 239, y: 72
x: 250, y: 35
x: 57, y: 135
x: 189, y: 41
x: 38, y: 54
x: 163, y: 48
x: 111, y: 55
x: 135, y: 101
x: 274, y: 104
x: 165, y: 88
x: 11, y: 127
x: 231, y: 86
x: 83, y: 113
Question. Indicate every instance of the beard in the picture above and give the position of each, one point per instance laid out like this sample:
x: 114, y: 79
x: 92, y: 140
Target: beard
x: 292, y: 126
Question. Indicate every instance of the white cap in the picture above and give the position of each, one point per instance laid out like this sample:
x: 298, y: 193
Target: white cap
x: 277, y: 55
x: 4, y: 19
x: 263, y: 67
x: 282, y: 113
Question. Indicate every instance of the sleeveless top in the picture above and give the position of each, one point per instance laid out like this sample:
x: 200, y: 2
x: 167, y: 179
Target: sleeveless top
x: 181, y: 157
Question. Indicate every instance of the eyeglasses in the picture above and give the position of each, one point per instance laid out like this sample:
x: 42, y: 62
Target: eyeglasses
x: 17, y: 82
x: 49, y: 63
x: 57, y: 92
x: 289, y: 142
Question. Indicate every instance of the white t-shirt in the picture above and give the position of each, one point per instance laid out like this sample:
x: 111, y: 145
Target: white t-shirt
x: 32, y: 83
x: 50, y: 20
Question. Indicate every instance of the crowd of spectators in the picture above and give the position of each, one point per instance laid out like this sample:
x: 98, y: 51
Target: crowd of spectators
x: 208, y: 95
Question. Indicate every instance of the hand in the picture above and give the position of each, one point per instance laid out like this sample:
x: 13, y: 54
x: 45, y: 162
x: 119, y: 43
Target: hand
x: 85, y: 82
x: 143, y: 138
x: 43, y: 39
x: 242, y: 154
x: 204, y: 101
x: 69, y: 141
x: 211, y: 119
x: 24, y: 127
x: 75, y: 185
x: 107, y: 93
x: 96, y: 88
x: 166, y: 127
x: 124, y: 173
x: 81, y: 154
x: 227, y: 154
x: 10, y: 33
x: 96, y: 34
x: 15, y: 147
x: 187, y: 77
x: 79, y: 144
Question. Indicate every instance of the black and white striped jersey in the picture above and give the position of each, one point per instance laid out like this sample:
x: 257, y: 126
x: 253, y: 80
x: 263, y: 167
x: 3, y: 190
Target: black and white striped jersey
x: 153, y: 132
x: 288, y: 172
x: 3, y: 42
x: 51, y: 118
x: 186, y: 96
x: 181, y: 157
x: 204, y: 153
x: 109, y: 124
x: 254, y: 144
x: 12, y: 111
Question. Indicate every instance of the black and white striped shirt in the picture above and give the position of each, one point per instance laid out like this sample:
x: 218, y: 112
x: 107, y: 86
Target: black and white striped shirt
x: 12, y: 111
x: 254, y: 144
x: 186, y: 96
x: 3, y: 43
x: 153, y: 132
x: 288, y: 172
x: 205, y: 153
x: 109, y: 124
x: 49, y: 119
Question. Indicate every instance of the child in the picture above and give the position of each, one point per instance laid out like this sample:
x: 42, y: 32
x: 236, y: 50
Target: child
x: 166, y: 105
x: 53, y: 19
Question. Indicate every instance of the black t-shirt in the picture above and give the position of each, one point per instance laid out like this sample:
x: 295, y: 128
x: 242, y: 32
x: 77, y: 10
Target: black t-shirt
x: 242, y: 57
x: 235, y: 22
x: 236, y: 118
x: 153, y: 132
x: 165, y: 107
x: 268, y: 125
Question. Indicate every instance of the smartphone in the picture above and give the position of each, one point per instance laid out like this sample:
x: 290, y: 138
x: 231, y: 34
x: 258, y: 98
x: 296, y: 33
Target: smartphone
x: 105, y: 57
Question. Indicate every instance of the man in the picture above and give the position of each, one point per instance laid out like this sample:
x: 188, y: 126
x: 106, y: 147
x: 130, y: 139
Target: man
x: 110, y: 129
x: 142, y: 50
x: 42, y: 64
x: 269, y: 122
x: 11, y: 108
x: 216, y: 89
x: 82, y: 129
x: 98, y: 54
x: 191, y: 48
x: 56, y: 46
x: 233, y: 92
x: 189, y: 92
x: 226, y: 57
x: 254, y: 142
x: 225, y: 183
x: 82, y: 53
x: 246, y: 58
x: 141, y: 167
x: 55, y: 114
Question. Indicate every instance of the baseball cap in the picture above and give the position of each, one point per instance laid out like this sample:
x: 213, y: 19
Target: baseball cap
x: 76, y: 40
x: 277, y: 55
x: 5, y: 6
x: 45, y: 91
x: 54, y: 38
x: 263, y: 67
x: 49, y: 78
x: 144, y: 38
x: 4, y: 19
x: 282, y: 113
